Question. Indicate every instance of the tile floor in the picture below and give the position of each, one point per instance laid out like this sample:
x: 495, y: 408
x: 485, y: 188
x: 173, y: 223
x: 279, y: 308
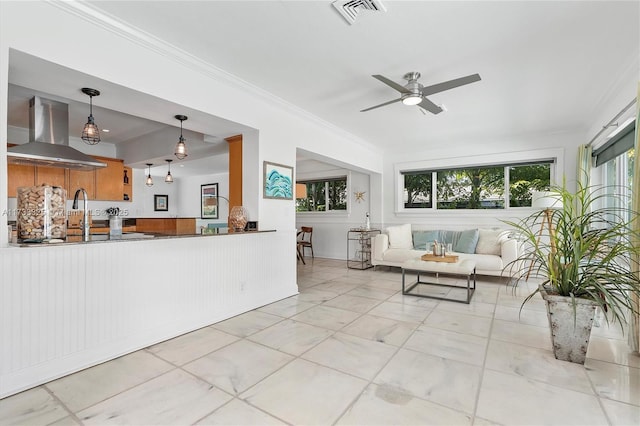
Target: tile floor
x: 350, y: 349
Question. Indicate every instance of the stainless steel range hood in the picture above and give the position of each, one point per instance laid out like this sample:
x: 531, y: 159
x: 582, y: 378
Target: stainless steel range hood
x: 49, y: 139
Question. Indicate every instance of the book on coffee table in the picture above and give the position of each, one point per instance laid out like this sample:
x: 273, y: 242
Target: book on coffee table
x: 448, y: 258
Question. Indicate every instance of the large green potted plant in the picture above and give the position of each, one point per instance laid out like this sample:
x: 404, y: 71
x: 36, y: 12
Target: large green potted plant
x: 582, y: 250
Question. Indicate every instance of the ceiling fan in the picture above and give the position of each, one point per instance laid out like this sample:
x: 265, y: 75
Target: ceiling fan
x: 414, y: 93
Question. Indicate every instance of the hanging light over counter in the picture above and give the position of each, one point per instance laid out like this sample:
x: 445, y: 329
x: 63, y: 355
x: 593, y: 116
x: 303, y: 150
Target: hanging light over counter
x: 169, y: 178
x: 181, y: 149
x: 90, y: 133
x: 149, y: 181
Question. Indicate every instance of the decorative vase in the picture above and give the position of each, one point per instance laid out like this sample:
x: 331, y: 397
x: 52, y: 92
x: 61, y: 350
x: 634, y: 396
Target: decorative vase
x: 238, y: 218
x: 570, y: 330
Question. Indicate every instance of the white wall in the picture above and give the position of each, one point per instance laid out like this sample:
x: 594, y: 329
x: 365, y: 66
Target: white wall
x: 143, y: 196
x: 190, y: 200
x: 152, y: 65
x: 330, y: 229
x: 562, y: 145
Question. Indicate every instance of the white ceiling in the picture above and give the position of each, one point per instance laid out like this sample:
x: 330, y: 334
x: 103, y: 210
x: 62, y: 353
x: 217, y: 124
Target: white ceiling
x: 546, y: 66
x: 113, y: 109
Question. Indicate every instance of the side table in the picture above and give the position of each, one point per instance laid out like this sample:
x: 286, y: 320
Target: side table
x: 359, y: 247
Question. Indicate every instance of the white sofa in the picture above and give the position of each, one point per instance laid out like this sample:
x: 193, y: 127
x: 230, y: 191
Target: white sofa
x: 492, y: 252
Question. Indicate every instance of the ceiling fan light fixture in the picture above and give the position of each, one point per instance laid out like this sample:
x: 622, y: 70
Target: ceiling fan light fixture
x: 412, y: 99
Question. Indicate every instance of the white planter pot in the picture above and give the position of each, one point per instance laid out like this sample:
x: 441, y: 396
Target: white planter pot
x: 569, y: 332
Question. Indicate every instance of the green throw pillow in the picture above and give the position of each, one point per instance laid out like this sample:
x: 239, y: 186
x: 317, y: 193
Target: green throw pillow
x: 467, y: 241
x: 423, y: 240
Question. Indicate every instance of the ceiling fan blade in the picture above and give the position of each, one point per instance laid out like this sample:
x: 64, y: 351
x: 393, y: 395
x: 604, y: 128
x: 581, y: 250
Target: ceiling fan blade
x: 446, y: 85
x: 430, y: 106
x: 400, y: 88
x: 381, y: 105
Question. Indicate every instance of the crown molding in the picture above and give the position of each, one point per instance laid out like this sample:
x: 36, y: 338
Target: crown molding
x: 99, y: 17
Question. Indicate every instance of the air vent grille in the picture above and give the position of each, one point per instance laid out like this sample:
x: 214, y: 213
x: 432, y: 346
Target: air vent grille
x: 350, y: 9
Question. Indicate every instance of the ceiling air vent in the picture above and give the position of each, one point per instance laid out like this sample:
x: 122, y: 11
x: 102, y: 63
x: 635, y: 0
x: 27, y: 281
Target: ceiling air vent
x: 350, y: 9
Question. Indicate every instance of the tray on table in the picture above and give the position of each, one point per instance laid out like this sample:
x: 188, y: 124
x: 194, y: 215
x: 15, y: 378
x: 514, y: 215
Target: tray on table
x: 448, y: 258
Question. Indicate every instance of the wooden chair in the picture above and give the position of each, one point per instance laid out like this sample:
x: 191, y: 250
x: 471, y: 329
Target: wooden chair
x: 305, y: 241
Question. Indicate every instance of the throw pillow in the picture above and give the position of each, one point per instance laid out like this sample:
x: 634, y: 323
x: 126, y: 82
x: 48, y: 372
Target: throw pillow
x: 489, y: 241
x: 423, y: 240
x: 467, y: 241
x: 400, y: 236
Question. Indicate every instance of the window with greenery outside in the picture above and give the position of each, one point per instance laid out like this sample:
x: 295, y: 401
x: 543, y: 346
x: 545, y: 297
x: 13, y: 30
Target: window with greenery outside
x: 476, y: 187
x: 324, y: 195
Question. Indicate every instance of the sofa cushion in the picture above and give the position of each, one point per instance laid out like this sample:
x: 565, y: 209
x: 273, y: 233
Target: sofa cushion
x: 400, y: 236
x: 489, y: 241
x: 449, y: 237
x: 423, y: 240
x: 467, y: 241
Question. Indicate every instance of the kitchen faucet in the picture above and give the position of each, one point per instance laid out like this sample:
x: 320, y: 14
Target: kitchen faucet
x: 85, y: 214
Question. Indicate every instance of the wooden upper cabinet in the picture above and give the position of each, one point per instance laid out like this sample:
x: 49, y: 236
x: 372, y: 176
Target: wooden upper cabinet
x: 81, y: 179
x: 54, y: 176
x: 106, y: 183
x: 19, y: 175
x: 109, y: 180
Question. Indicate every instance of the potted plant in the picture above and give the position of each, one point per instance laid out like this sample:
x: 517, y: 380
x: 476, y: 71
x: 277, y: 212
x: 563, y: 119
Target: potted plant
x: 585, y: 257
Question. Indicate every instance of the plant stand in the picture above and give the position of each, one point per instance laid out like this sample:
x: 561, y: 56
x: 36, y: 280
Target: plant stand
x: 569, y: 333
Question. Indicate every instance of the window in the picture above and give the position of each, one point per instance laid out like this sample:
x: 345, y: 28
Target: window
x: 527, y: 178
x: 618, y: 180
x: 473, y: 188
x: 615, y: 159
x: 324, y: 195
x: 417, y: 190
x: 476, y: 187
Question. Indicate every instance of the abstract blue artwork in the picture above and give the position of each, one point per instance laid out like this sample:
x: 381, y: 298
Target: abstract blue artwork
x: 278, y: 181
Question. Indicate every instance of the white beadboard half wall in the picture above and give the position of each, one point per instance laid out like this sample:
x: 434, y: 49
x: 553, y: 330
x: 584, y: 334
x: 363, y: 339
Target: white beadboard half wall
x: 73, y: 306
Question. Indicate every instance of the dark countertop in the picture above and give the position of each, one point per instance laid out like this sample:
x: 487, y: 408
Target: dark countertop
x: 127, y: 236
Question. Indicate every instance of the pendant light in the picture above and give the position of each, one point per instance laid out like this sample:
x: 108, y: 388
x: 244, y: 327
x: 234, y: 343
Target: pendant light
x: 169, y: 178
x: 181, y: 148
x: 149, y: 181
x: 90, y: 133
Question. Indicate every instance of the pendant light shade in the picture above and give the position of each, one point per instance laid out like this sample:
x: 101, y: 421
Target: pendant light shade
x: 149, y: 181
x: 169, y: 178
x: 90, y: 133
x: 181, y: 149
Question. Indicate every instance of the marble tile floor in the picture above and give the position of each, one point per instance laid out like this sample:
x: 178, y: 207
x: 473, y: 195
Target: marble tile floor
x: 350, y: 349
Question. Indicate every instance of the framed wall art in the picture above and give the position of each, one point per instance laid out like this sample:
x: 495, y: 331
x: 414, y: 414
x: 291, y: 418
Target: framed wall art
x: 209, y: 201
x: 278, y: 181
x: 161, y: 203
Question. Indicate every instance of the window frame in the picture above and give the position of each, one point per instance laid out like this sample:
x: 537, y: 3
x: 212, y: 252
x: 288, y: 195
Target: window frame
x: 555, y: 155
x: 315, y: 177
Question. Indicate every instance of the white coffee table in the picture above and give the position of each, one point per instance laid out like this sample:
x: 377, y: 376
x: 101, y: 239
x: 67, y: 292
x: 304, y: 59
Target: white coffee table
x: 465, y: 268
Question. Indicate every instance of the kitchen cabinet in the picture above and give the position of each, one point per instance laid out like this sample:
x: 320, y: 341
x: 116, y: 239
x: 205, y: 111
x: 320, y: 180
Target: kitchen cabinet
x: 81, y: 179
x: 105, y: 184
x: 19, y: 175
x: 54, y: 176
x: 25, y: 175
x: 167, y: 226
x: 109, y: 180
